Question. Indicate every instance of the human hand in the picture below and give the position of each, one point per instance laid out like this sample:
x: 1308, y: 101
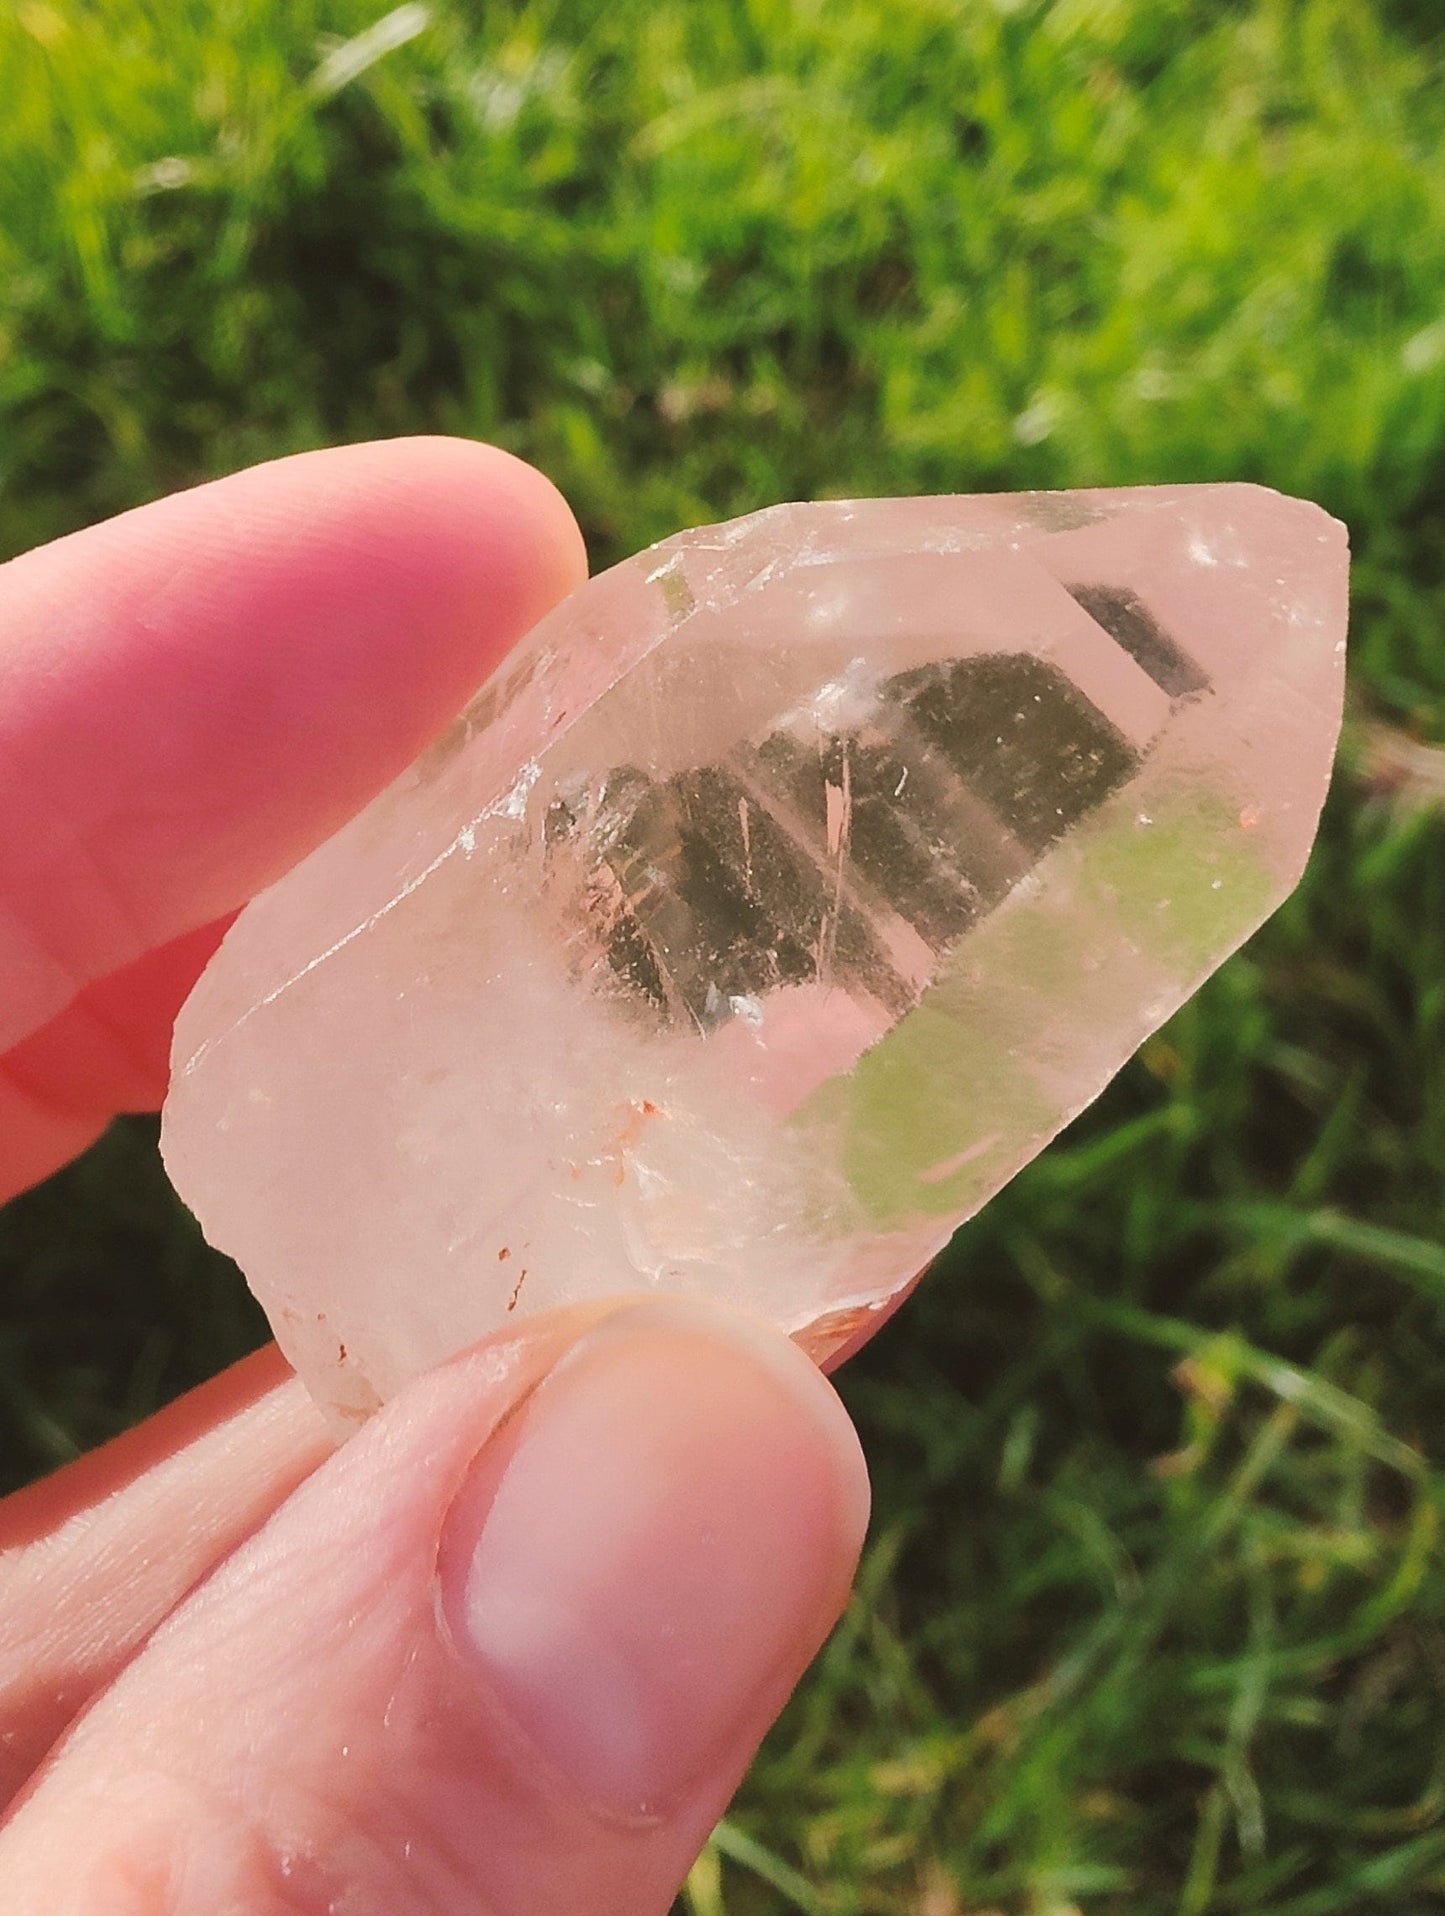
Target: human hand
x: 512, y: 1647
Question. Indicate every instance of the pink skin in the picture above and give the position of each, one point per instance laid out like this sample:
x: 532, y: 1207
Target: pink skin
x: 513, y: 1646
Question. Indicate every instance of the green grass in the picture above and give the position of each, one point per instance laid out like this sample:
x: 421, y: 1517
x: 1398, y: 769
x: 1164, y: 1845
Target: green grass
x: 1153, y: 1619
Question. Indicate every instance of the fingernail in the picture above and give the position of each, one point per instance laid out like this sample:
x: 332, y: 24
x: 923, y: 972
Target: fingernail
x: 646, y: 1557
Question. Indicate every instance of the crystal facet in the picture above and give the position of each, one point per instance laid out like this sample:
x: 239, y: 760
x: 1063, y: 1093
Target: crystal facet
x: 783, y: 894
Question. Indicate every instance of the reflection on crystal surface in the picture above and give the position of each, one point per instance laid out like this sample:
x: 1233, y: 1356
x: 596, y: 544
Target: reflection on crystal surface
x: 785, y: 893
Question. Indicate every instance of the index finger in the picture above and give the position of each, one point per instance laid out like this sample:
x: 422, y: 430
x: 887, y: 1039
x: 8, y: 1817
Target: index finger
x: 196, y: 693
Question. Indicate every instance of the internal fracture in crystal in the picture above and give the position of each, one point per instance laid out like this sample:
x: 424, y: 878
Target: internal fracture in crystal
x: 787, y: 890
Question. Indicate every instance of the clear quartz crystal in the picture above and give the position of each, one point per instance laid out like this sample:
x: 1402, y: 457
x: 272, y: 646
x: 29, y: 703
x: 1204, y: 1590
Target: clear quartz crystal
x: 783, y: 894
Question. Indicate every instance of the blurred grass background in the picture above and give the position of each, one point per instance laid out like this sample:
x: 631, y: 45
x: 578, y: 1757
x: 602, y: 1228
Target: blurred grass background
x: 1153, y: 1618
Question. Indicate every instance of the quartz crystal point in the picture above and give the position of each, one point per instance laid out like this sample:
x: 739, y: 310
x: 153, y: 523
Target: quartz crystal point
x: 784, y: 893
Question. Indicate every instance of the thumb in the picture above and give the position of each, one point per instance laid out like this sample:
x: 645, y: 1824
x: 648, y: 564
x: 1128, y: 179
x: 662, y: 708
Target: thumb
x: 509, y: 1650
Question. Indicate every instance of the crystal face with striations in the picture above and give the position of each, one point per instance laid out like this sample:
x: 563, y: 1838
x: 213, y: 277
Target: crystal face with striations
x: 785, y: 891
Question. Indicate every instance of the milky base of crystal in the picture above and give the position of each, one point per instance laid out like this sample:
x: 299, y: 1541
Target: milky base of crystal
x: 787, y: 890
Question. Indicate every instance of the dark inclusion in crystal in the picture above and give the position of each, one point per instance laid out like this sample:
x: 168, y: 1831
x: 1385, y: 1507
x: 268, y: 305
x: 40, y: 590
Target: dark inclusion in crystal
x: 860, y: 855
x: 1022, y: 737
x: 709, y: 897
x: 1126, y: 618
